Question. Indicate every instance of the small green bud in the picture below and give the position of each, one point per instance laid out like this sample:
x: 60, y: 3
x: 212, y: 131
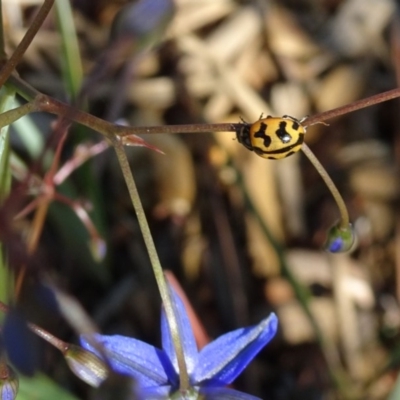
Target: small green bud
x: 86, y: 365
x: 8, y: 383
x: 340, y: 239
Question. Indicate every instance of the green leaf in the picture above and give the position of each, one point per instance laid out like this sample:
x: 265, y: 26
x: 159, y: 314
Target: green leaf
x: 71, y: 59
x: 7, y: 102
x: 41, y: 387
x: 30, y: 136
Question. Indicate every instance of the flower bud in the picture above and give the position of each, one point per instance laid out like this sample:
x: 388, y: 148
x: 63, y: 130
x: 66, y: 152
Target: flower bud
x: 339, y: 239
x: 8, y: 383
x: 86, y: 365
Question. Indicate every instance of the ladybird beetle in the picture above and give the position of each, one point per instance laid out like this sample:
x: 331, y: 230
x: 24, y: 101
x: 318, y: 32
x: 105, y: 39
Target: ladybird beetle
x: 272, y: 137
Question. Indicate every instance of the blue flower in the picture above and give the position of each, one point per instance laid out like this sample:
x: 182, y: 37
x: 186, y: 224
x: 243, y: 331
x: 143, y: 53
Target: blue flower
x: 210, y: 369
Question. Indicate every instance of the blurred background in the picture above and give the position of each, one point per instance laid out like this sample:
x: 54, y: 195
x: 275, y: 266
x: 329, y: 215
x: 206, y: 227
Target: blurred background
x: 242, y: 234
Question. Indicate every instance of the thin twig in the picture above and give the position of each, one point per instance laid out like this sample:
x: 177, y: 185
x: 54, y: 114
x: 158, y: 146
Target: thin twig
x: 19, y: 52
x: 48, y: 104
x: 348, y: 108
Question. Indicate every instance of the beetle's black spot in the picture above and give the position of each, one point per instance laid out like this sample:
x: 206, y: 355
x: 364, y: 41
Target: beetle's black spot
x: 261, y: 134
x: 284, y: 136
x: 295, y: 125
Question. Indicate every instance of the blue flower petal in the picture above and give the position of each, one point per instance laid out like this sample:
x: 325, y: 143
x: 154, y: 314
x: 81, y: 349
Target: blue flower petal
x: 214, y: 393
x: 222, y: 360
x: 147, y: 364
x: 146, y: 16
x: 185, y: 332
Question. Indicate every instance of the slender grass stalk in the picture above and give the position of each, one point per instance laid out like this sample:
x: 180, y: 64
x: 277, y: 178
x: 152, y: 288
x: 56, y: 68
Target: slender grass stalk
x: 344, y: 215
x: 19, y: 52
x: 155, y: 261
x: 7, y: 100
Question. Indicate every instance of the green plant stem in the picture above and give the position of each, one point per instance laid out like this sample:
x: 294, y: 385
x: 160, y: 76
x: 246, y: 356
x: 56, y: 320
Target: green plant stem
x: 19, y: 52
x: 155, y: 261
x: 10, y: 116
x: 23, y: 88
x: 344, y: 215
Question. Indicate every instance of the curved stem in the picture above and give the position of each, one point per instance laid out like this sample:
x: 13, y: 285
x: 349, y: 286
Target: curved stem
x: 155, y: 261
x: 344, y: 215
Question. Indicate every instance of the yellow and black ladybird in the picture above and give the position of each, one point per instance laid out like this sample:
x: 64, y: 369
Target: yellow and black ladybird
x: 272, y: 137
